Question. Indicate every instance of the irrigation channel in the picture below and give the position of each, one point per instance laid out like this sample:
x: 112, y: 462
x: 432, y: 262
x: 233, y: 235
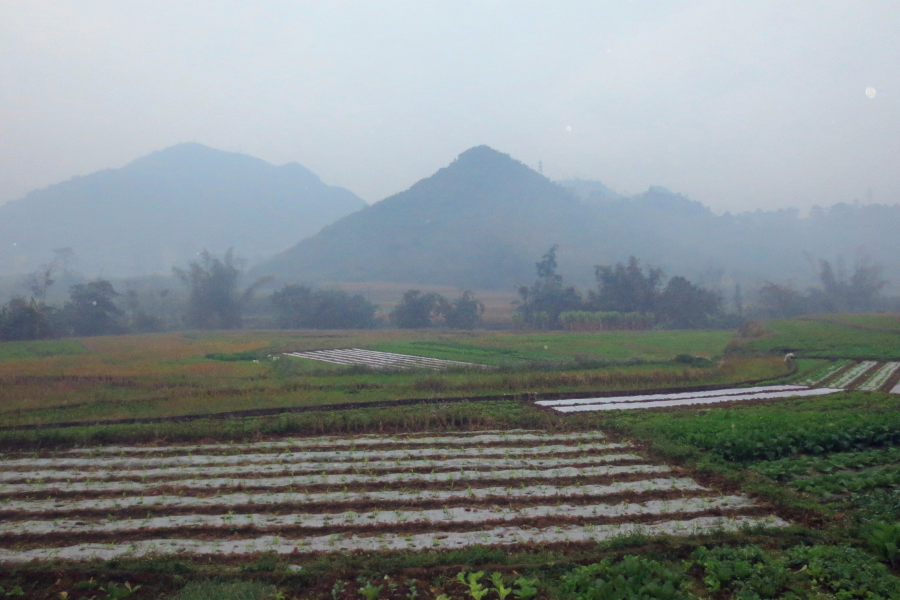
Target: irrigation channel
x: 366, y: 493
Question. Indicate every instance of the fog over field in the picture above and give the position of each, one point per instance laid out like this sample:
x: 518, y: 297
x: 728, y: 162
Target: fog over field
x: 738, y: 105
x: 497, y: 300
x: 738, y: 145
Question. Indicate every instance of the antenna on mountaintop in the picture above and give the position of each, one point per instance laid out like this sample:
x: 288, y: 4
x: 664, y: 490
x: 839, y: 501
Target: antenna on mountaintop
x: 541, y: 167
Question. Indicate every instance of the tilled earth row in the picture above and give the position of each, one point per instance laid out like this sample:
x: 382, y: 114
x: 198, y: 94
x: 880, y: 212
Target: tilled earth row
x: 369, y: 493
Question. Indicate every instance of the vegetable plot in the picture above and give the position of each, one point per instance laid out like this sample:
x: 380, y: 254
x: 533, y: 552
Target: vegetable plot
x: 380, y: 360
x: 683, y: 398
x: 372, y: 493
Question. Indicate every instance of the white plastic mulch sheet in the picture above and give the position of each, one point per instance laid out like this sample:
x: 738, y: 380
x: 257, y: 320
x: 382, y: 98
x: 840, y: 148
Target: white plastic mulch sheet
x: 380, y: 360
x: 851, y: 375
x: 821, y: 375
x: 683, y: 398
x: 880, y: 377
x: 324, y: 495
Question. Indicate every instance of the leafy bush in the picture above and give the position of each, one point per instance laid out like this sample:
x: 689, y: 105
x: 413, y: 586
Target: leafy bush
x: 300, y: 307
x: 745, y: 572
x: 884, y: 541
x: 848, y: 572
x: 788, y: 468
x: 218, y: 590
x: 632, y: 578
x: 845, y: 422
x: 581, y: 320
x: 875, y: 477
x: 235, y: 356
x: 749, y: 572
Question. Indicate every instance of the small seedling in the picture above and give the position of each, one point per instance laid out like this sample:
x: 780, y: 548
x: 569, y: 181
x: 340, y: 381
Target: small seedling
x: 502, y: 591
x: 413, y: 591
x: 476, y: 590
x: 337, y: 590
x: 115, y: 592
x: 370, y: 592
x: 525, y: 588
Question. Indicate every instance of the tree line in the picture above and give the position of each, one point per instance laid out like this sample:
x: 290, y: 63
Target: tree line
x: 216, y: 300
x: 628, y: 296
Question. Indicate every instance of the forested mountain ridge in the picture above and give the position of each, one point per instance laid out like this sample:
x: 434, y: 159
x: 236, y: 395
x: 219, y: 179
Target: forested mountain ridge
x: 478, y: 222
x: 162, y: 209
x: 483, y: 221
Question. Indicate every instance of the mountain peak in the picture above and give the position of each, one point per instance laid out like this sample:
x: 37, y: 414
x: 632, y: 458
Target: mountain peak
x: 485, y: 157
x: 163, y: 208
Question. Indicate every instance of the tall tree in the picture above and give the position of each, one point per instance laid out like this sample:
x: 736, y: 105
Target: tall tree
x: 92, y: 309
x: 215, y: 300
x: 464, y: 312
x: 25, y: 319
x: 417, y: 310
x: 626, y: 288
x: 300, y: 307
x: 683, y: 305
x: 541, y: 304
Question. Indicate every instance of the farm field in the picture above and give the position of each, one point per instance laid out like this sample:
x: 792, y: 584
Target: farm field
x: 861, y: 337
x: 167, y: 375
x: 787, y: 488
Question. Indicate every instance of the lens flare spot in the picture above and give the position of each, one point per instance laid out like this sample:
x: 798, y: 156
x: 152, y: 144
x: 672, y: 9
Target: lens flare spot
x: 870, y: 92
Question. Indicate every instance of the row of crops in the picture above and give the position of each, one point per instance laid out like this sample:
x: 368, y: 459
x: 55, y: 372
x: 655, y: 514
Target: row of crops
x: 674, y: 400
x: 369, y: 493
x: 867, y: 376
x: 829, y: 379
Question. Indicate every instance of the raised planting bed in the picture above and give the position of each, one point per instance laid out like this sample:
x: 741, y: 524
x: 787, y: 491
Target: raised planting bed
x: 370, y: 493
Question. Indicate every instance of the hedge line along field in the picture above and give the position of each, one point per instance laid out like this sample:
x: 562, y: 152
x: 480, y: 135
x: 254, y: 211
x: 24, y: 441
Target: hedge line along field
x: 158, y: 375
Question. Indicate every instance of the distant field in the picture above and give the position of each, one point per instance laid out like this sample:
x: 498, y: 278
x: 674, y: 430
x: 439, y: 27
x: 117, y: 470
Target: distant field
x: 875, y: 337
x: 789, y: 498
x: 39, y: 348
x: 498, y: 304
x: 560, y: 347
x: 173, y: 374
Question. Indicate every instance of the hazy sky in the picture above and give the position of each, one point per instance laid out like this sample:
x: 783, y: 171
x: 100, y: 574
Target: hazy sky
x: 741, y: 105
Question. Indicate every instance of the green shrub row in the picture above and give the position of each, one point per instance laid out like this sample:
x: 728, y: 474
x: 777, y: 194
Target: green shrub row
x: 581, y: 320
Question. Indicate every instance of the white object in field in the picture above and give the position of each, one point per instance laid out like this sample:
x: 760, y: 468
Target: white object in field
x: 691, y: 401
x: 366, y: 440
x: 498, y: 536
x: 173, y: 474
x: 289, y: 458
x: 853, y: 374
x: 672, y: 396
x: 896, y: 389
x: 406, y: 497
x: 225, y: 483
x: 831, y: 370
x: 380, y: 360
x: 460, y: 514
x: 488, y: 492
x: 880, y: 377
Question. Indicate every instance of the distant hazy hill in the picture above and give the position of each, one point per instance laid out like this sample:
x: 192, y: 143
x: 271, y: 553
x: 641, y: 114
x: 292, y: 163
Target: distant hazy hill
x: 480, y: 222
x: 160, y: 210
x: 483, y: 221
